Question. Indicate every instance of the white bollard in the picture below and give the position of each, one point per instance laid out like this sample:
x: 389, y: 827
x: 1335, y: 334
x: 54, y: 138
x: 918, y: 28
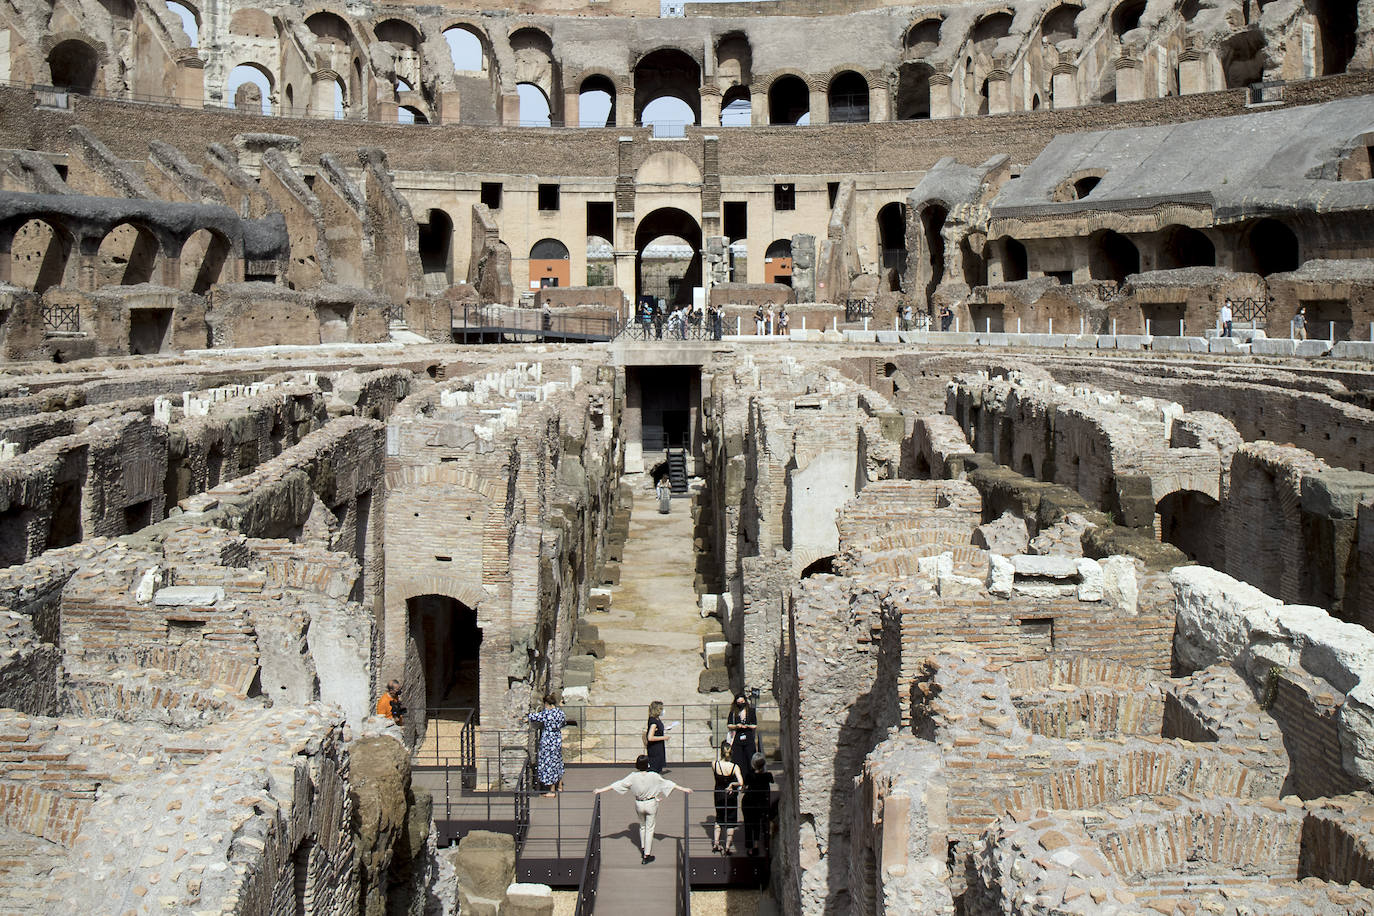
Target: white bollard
x: 1081, y: 328
x: 737, y: 325
x: 1051, y: 325
x: 803, y: 322
x: 894, y: 323
x: 1331, y: 332
x: 1113, y: 327
x: 865, y: 322
x: 987, y: 324
x: 834, y: 323
x: 1147, y: 327
x: 956, y: 324
x: 1018, y: 324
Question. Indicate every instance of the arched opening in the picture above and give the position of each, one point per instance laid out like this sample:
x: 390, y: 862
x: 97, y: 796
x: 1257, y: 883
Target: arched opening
x: 329, y: 29
x: 600, y: 261
x: 335, y: 99
x: 1187, y: 520
x: 398, y: 32
x: 1189, y: 9
x: 1112, y: 256
x: 1273, y: 248
x: 445, y: 646
x: 1015, y: 262
x: 436, y: 241
x: 202, y: 261
x: 409, y: 114
x: 465, y: 50
x: 777, y: 262
x: 668, y: 256
x: 38, y: 256
x: 664, y: 76
x: 1186, y: 247
x: 549, y: 264
x: 1338, y: 24
x: 1243, y: 58
x: 892, y: 242
x: 913, y: 91
x: 596, y: 102
x: 932, y: 229
x: 128, y: 254
x: 788, y: 100
x: 534, y: 106
x: 975, y: 266
x: 1061, y: 23
x: 1127, y: 17
x: 736, y: 109
x: 190, y: 21
x: 824, y: 566
x: 848, y: 98
x: 989, y: 30
x: 249, y: 89
x: 72, y: 65
x: 1027, y: 467
x: 1085, y: 186
x: 214, y: 466
x: 923, y: 38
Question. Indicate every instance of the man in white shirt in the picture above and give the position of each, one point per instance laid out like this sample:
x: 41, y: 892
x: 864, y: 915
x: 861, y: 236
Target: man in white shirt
x: 1226, y: 318
x: 647, y: 788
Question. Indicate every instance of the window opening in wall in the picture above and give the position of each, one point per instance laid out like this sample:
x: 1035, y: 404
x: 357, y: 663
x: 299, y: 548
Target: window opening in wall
x: 784, y: 197
x: 1014, y: 260
x: 736, y: 220
x: 596, y: 102
x: 65, y: 528
x: 1127, y: 16
x: 1273, y: 248
x: 848, y: 98
x: 1062, y: 277
x: 736, y: 108
x: 548, y: 197
x: 832, y: 191
x: 214, y: 466
x: 933, y: 227
x: 535, y: 110
x: 183, y: 631
x: 789, y: 101
x: 1084, y: 186
x: 138, y: 516
x: 491, y: 195
x: 464, y: 50
x: 249, y: 89
x: 1038, y: 628
x: 447, y: 651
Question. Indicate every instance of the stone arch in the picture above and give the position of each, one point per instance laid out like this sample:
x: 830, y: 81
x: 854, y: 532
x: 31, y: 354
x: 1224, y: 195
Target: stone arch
x: 202, y: 260
x: 789, y: 97
x: 129, y: 253
x: 847, y: 97
x: 244, y: 71
x: 74, y: 63
x: 401, y: 478
x: 891, y: 219
x: 1271, y: 247
x: 923, y: 37
x: 400, y: 28
x: 596, y: 90
x: 667, y: 72
x: 1126, y: 16
x: 669, y: 221
x: 734, y: 61
x: 1190, y: 520
x: 1061, y: 23
x: 38, y: 251
x: 912, y: 98
x: 330, y: 27
x: 1112, y: 256
x: 1183, y: 246
x: 460, y: 51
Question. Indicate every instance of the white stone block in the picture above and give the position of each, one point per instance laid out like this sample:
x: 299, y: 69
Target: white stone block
x: 889, y: 337
x: 1001, y: 576
x: 188, y: 596
x: 1274, y: 346
x: 992, y: 339
x: 1047, y: 567
x: 1218, y: 617
x: 1353, y: 349
x: 1089, y: 580
x: 576, y: 695
x: 147, y: 585
x: 1119, y: 586
x: 861, y: 336
x: 935, y: 567
x: 1223, y: 345
x: 715, y: 652
x: 1179, y: 345
x: 1313, y: 348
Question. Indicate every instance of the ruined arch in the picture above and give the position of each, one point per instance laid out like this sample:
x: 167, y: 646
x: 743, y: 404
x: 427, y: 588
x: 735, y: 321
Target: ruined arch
x: 734, y: 62
x: 990, y: 29
x: 250, y: 73
x: 1112, y: 256
x: 789, y: 99
x: 436, y: 244
x: 1181, y: 246
x: 1126, y: 16
x: 469, y: 48
x: 535, y: 108
x: 913, y: 91
x: 1061, y: 23
x: 38, y: 254
x: 397, y: 31
x: 923, y: 38
x: 534, y: 64
x: 1271, y: 247
x: 667, y: 73
x: 736, y: 107
x: 202, y: 260
x: 932, y: 221
x: 330, y: 28
x: 1337, y: 24
x: 73, y: 64
x: 190, y: 20
x: 892, y: 242
x: 847, y: 97
x: 443, y: 652
x: 128, y: 255
x: 1189, y: 520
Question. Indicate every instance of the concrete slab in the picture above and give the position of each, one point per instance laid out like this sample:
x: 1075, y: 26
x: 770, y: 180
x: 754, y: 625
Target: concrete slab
x: 1313, y: 348
x: 889, y: 337
x: 1274, y: 346
x: 860, y: 336
x: 1049, y: 341
x: 1081, y: 341
x: 1106, y: 342
x: 1353, y: 349
x: 1179, y: 345
x: 954, y: 339
x: 1133, y: 342
x: 993, y: 339
x: 1224, y: 345
x: 914, y: 337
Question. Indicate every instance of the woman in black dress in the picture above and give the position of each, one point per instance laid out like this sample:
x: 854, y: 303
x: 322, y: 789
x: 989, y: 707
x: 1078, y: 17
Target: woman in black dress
x: 742, y: 725
x: 758, y: 786
x: 728, y: 782
x: 656, y: 738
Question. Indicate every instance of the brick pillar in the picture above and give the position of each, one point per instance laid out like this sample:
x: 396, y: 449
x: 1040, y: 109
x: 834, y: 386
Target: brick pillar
x: 510, y: 108
x: 710, y: 106
x: 1130, y: 80
x: 190, y: 86
x: 758, y: 108
x: 1192, y: 73
x: 1064, y: 85
x: 879, y: 99
x: 999, y: 92
x: 571, y: 106
x: 625, y: 106
x: 940, y: 84
x: 820, y: 103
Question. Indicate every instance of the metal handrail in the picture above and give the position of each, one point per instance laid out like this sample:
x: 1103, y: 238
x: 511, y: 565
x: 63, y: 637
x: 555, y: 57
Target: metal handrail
x: 497, y: 319
x: 660, y: 331
x: 627, y: 730
x: 591, y: 865
x: 684, y: 861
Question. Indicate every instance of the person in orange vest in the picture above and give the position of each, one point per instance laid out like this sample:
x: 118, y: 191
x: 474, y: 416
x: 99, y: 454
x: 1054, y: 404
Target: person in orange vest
x: 390, y: 705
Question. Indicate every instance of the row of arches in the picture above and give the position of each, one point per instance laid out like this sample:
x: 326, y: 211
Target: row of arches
x: 41, y: 253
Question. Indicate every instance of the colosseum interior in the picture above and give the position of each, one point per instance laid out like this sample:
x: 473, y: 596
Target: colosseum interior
x: 983, y: 389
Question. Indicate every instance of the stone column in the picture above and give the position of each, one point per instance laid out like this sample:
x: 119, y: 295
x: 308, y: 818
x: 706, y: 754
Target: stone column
x: 1130, y: 80
x: 940, y: 86
x: 1192, y: 73
x: 820, y: 102
x: 190, y: 89
x: 449, y: 106
x: 710, y: 106
x: 758, y: 108
x: 1065, y: 85
x: 999, y: 92
x: 571, y: 105
x: 510, y: 108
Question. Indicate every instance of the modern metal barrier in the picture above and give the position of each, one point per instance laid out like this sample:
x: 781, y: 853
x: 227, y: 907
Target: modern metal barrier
x: 684, y: 862
x: 591, y: 865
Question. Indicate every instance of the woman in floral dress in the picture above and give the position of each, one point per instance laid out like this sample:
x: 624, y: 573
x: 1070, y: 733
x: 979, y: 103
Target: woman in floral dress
x: 548, y: 762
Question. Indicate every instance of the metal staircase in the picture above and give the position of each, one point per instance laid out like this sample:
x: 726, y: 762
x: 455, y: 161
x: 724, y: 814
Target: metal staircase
x: 677, y: 471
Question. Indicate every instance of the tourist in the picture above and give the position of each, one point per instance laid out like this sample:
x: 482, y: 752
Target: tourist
x: 658, y: 320
x: 1226, y: 318
x: 1300, y: 324
x: 946, y: 317
x: 548, y: 761
x: 770, y: 323
x: 389, y: 705
x: 759, y: 321
x: 656, y: 738
x: 648, y: 787
x: 729, y: 780
x: 717, y: 322
x: 742, y: 725
x: 758, y: 786
x: 906, y: 317
x: 783, y: 320
x: 664, y: 491
x: 646, y: 315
